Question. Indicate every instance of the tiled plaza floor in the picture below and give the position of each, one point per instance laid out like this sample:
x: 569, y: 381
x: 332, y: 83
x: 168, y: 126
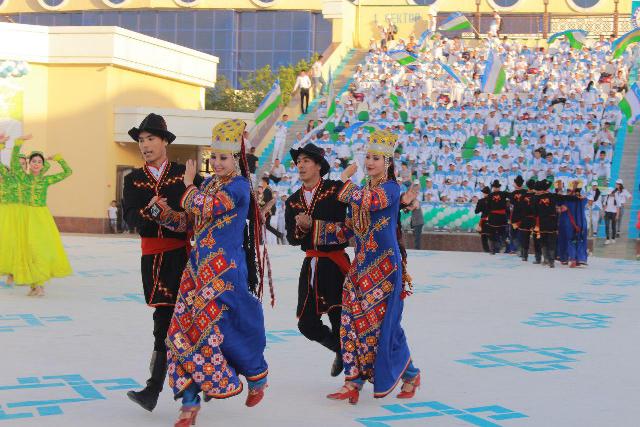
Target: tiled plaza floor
x: 499, y: 342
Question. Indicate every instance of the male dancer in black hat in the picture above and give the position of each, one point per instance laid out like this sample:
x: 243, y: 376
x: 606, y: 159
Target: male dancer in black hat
x: 497, y: 218
x: 546, y: 209
x: 516, y: 198
x: 315, y: 220
x: 483, y: 228
x: 164, y: 252
x: 527, y: 221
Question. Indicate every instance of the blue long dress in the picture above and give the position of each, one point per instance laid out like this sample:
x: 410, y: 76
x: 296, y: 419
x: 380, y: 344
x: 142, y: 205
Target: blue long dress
x: 374, y: 346
x: 572, y: 231
x: 217, y: 330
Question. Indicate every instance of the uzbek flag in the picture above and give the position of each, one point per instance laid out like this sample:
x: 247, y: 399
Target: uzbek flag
x: 269, y: 104
x: 494, y: 75
x: 422, y: 41
x: 576, y: 38
x: 630, y: 105
x: 331, y: 108
x: 403, y: 57
x: 457, y: 77
x: 455, y: 22
x: 621, y: 44
x: 395, y: 101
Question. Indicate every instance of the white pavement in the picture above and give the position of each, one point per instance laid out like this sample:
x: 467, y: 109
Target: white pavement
x: 499, y: 342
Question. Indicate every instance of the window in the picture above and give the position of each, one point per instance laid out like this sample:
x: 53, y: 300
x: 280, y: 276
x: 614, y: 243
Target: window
x: 243, y: 41
x: 421, y: 2
x: 263, y: 3
x: 503, y: 4
x: 582, y: 5
x: 187, y: 3
x: 115, y: 3
x: 52, y: 4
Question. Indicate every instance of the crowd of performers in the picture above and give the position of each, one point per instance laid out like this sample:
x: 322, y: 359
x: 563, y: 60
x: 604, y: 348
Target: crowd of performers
x: 204, y: 267
x: 555, y: 221
x: 30, y: 244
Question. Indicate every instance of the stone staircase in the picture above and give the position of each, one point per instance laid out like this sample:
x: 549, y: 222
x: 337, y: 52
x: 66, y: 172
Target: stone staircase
x: 342, y: 77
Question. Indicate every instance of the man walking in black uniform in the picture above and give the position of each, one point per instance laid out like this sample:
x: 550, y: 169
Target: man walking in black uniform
x: 164, y: 252
x: 527, y: 221
x: 516, y: 198
x: 483, y: 227
x: 315, y: 220
x: 497, y: 216
x: 546, y: 228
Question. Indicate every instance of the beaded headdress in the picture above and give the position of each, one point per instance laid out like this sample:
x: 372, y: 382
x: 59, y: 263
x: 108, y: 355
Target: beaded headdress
x: 382, y: 142
x: 226, y: 136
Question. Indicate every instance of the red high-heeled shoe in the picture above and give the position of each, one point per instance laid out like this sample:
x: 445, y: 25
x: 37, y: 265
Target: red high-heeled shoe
x: 255, y: 396
x: 346, y: 392
x: 408, y: 394
x: 190, y: 418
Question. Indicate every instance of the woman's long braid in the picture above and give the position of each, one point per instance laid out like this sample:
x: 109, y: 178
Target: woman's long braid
x: 407, y: 286
x: 257, y: 263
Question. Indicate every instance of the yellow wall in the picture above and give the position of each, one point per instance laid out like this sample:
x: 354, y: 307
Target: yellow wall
x: 69, y: 110
x: 15, y: 6
x: 525, y: 6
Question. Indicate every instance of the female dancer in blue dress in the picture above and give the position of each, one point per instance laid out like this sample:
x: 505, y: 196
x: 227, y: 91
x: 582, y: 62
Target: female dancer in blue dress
x: 217, y: 330
x: 374, y: 346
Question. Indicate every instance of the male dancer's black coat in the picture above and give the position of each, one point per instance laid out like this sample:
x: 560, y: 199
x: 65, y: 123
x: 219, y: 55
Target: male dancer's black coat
x: 527, y: 222
x: 517, y: 208
x: 497, y: 216
x: 482, y: 209
x: 164, y: 256
x: 324, y: 268
x: 547, y: 219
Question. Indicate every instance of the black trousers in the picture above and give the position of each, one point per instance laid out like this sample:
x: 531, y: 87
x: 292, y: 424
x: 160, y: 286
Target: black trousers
x: 329, y: 285
x: 524, y: 237
x: 537, y: 248
x: 271, y: 228
x: 549, y: 242
x: 484, y: 239
x: 304, y: 96
x: 417, y: 236
x: 497, y: 237
x: 610, y: 224
x: 311, y: 326
x: 161, y: 320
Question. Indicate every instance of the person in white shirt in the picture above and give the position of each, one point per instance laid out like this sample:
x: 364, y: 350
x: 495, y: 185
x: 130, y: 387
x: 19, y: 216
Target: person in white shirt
x: 112, y: 213
x: 594, y: 213
x: 611, y: 207
x: 316, y: 76
x: 303, y: 82
x: 280, y: 137
x: 624, y: 198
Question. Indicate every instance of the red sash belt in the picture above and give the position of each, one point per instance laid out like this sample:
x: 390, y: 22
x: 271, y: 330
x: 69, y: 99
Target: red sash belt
x: 499, y: 212
x: 155, y: 245
x: 338, y: 257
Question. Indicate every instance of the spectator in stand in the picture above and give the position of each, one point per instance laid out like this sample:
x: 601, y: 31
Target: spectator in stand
x: 303, y: 82
x: 112, y: 214
x: 280, y: 138
x: 276, y: 172
x: 611, y: 208
x: 624, y: 198
x: 316, y: 76
x: 252, y: 164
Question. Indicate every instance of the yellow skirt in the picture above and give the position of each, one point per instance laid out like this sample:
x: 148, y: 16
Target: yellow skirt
x: 13, y: 238
x: 44, y: 254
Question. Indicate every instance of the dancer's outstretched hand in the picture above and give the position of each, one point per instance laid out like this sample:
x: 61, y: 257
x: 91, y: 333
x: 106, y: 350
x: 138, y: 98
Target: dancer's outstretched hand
x: 349, y: 171
x: 189, y: 173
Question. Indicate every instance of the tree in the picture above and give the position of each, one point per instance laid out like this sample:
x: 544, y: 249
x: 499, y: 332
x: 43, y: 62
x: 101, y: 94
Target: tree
x: 254, y: 88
